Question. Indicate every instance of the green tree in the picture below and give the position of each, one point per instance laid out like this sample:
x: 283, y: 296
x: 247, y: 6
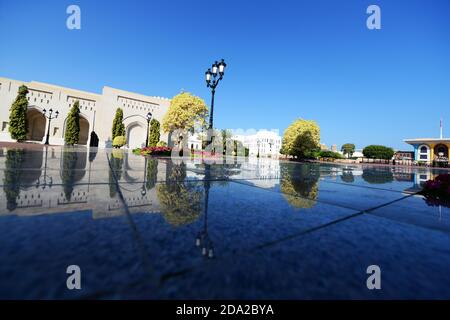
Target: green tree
x: 301, y: 138
x: 186, y: 111
x: 348, y: 149
x: 154, y: 134
x: 378, y: 152
x: 18, y: 115
x: 72, y: 133
x: 118, y: 128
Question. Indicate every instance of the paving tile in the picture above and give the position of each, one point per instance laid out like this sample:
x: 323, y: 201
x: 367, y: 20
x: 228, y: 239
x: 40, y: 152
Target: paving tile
x: 329, y: 263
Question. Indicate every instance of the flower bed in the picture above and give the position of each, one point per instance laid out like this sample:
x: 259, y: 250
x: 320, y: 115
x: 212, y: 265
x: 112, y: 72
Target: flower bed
x: 153, y: 151
x: 438, y: 187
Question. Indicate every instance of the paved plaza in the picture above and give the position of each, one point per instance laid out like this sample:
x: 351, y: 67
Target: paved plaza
x: 196, y: 228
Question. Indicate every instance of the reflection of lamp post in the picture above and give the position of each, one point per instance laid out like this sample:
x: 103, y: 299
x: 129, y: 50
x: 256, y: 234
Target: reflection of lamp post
x: 213, y: 77
x: 44, y: 184
x: 203, y: 241
x: 49, y: 117
x: 257, y: 142
x: 144, y: 190
x: 149, y: 117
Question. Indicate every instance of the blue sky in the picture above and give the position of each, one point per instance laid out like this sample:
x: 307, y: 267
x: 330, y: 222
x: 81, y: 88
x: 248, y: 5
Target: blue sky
x: 312, y: 59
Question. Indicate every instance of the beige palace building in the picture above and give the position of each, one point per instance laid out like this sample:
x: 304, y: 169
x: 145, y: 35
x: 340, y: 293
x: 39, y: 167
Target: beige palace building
x: 97, y: 112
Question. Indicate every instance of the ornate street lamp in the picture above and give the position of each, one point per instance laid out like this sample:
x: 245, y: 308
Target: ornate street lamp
x: 213, y: 77
x: 149, y: 117
x: 49, y: 117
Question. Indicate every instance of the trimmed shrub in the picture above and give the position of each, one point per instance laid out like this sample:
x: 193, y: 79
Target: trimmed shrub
x: 72, y: 133
x: 118, y: 128
x: 18, y: 116
x: 119, y: 141
x: 378, y: 152
x: 154, y: 134
x: 161, y: 144
x: 330, y: 154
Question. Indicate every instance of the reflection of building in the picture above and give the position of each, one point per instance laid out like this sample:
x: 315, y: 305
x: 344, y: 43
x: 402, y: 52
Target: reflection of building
x: 77, y: 184
x: 264, y: 143
x: 97, y: 112
x: 429, y: 150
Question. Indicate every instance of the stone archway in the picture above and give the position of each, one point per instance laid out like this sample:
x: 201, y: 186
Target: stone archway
x: 441, y: 150
x: 36, y: 125
x: 84, y: 131
x: 135, y: 134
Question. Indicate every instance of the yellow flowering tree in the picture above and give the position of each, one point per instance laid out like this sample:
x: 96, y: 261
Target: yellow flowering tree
x: 301, y: 138
x: 186, y: 111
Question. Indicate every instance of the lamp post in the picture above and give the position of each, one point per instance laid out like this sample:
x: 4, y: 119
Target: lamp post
x: 149, y: 117
x: 213, y: 77
x: 49, y: 117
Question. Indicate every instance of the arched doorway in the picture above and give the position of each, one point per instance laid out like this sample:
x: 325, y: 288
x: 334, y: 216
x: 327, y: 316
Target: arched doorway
x: 36, y: 125
x: 84, y: 131
x: 136, y: 132
x: 441, y: 151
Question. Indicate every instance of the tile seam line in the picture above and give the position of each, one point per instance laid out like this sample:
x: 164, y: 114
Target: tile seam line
x: 290, y: 237
x: 362, y: 212
x: 131, y: 223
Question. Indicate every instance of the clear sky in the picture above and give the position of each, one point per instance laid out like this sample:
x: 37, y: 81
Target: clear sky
x: 311, y: 59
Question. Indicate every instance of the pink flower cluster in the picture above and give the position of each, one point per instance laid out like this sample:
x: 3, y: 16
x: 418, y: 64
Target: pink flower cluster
x: 156, y: 151
x: 440, y: 185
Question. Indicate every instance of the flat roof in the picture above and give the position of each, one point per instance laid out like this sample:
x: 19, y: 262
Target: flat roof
x: 427, y: 140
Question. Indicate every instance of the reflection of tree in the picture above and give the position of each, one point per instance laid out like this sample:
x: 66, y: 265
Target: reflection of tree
x: 69, y: 163
x: 377, y: 176
x: 12, y: 177
x: 152, y: 173
x: 347, y: 176
x: 180, y: 201
x: 299, y: 184
x: 116, y: 163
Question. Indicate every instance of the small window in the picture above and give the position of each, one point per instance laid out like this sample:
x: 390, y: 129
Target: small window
x: 4, y: 125
x: 423, y: 149
x: 423, y: 157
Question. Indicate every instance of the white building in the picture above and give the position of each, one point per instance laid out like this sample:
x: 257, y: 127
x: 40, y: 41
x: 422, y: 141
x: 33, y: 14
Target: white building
x: 265, y: 143
x: 97, y: 112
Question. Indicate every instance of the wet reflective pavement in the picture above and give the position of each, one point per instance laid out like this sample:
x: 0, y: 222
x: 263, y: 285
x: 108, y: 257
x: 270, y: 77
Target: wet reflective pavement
x: 195, y: 228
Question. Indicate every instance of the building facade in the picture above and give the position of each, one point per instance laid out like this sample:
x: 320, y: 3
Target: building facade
x: 97, y: 112
x: 264, y: 143
x: 430, y: 150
